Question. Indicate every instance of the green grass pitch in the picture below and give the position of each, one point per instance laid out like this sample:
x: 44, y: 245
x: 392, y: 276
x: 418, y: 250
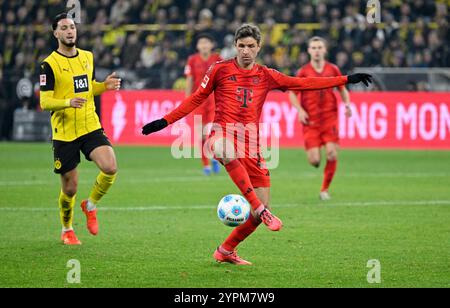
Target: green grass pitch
x: 158, y: 226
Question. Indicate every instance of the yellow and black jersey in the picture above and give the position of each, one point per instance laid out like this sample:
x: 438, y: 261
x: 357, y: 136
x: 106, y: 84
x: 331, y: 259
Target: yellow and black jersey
x: 63, y: 78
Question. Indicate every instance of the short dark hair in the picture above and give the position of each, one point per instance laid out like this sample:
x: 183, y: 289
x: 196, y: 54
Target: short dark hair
x: 248, y: 30
x: 205, y: 35
x: 58, y: 18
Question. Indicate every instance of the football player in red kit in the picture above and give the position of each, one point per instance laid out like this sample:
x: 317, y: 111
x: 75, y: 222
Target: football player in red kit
x: 195, y: 69
x: 240, y: 88
x: 318, y: 111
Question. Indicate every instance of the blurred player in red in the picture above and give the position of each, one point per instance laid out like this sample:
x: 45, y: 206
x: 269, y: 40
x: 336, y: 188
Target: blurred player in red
x: 196, y: 68
x: 318, y: 111
x: 240, y: 88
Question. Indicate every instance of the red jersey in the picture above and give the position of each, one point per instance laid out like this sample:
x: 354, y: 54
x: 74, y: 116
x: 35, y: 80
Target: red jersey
x: 196, y: 67
x: 240, y: 94
x: 319, y: 104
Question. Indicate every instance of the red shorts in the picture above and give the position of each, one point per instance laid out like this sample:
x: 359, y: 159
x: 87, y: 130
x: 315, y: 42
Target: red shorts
x: 256, y: 167
x: 257, y: 171
x: 317, y: 136
x: 206, y: 111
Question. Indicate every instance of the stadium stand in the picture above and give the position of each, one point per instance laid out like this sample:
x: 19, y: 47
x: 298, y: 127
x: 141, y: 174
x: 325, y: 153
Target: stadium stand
x: 148, y: 42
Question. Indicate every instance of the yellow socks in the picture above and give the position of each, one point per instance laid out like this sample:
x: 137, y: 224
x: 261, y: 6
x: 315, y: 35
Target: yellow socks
x: 66, y: 205
x: 101, y: 186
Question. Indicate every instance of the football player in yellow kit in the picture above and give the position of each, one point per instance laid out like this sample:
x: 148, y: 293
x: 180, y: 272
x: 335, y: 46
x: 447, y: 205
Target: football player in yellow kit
x: 67, y: 90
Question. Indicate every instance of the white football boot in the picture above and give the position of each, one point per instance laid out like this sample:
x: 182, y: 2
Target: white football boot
x: 324, y: 196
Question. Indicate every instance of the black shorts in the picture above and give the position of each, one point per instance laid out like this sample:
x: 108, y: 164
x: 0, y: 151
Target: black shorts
x: 67, y: 154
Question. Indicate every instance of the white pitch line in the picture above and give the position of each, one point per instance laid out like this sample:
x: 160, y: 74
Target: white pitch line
x: 212, y: 207
x: 187, y: 179
x: 132, y: 181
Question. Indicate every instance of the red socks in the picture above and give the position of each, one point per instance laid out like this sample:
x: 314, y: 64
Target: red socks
x: 328, y: 173
x: 240, y: 177
x: 239, y: 234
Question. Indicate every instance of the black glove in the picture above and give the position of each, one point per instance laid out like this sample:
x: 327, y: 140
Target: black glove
x: 154, y: 126
x: 356, y: 78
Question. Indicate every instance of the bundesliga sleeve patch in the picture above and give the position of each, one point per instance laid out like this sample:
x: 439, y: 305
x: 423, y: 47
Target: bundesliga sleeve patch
x: 43, y: 80
x: 205, y: 82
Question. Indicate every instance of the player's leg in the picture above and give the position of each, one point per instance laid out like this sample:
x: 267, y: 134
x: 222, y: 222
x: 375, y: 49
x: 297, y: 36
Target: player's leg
x: 209, y: 120
x: 313, y: 156
x: 330, y: 169
x: 313, y: 143
x: 105, y: 159
x: 69, y: 186
x: 225, y: 151
x: 102, y: 154
x: 227, y: 251
x: 202, y: 118
x: 98, y: 149
x: 200, y: 136
x: 66, y: 200
x: 67, y: 157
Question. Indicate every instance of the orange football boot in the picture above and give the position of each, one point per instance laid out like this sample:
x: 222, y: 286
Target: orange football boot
x: 271, y: 221
x: 69, y: 238
x: 92, y: 223
x: 232, y: 258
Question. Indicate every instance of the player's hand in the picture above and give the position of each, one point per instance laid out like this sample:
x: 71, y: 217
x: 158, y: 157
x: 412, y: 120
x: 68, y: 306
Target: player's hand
x: 112, y: 82
x: 154, y: 126
x: 360, y: 77
x: 77, y: 102
x: 348, y: 111
x: 303, y: 116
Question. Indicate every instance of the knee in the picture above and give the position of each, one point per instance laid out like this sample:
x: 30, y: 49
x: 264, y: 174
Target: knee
x: 110, y: 169
x: 315, y: 162
x: 70, y: 188
x: 332, y: 155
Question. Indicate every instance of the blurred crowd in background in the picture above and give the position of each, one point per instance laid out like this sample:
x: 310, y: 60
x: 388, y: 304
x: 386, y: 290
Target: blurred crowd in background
x: 150, y: 40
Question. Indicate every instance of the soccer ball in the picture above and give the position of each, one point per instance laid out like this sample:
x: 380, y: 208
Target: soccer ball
x: 233, y: 210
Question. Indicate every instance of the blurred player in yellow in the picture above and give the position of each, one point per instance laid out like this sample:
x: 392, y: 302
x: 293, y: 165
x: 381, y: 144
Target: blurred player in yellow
x: 67, y: 89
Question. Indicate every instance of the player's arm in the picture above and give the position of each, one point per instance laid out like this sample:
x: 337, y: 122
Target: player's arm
x: 188, y: 105
x: 284, y: 82
x: 302, y: 114
x: 189, y: 85
x: 345, y: 95
x: 46, y: 94
x: 189, y: 77
x: 112, y: 82
x: 294, y: 100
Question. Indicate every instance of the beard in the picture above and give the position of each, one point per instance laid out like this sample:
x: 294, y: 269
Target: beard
x: 70, y: 45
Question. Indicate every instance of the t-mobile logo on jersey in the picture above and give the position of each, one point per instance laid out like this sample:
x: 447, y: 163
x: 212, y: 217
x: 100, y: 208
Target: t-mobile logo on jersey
x: 245, y: 96
x: 118, y: 117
